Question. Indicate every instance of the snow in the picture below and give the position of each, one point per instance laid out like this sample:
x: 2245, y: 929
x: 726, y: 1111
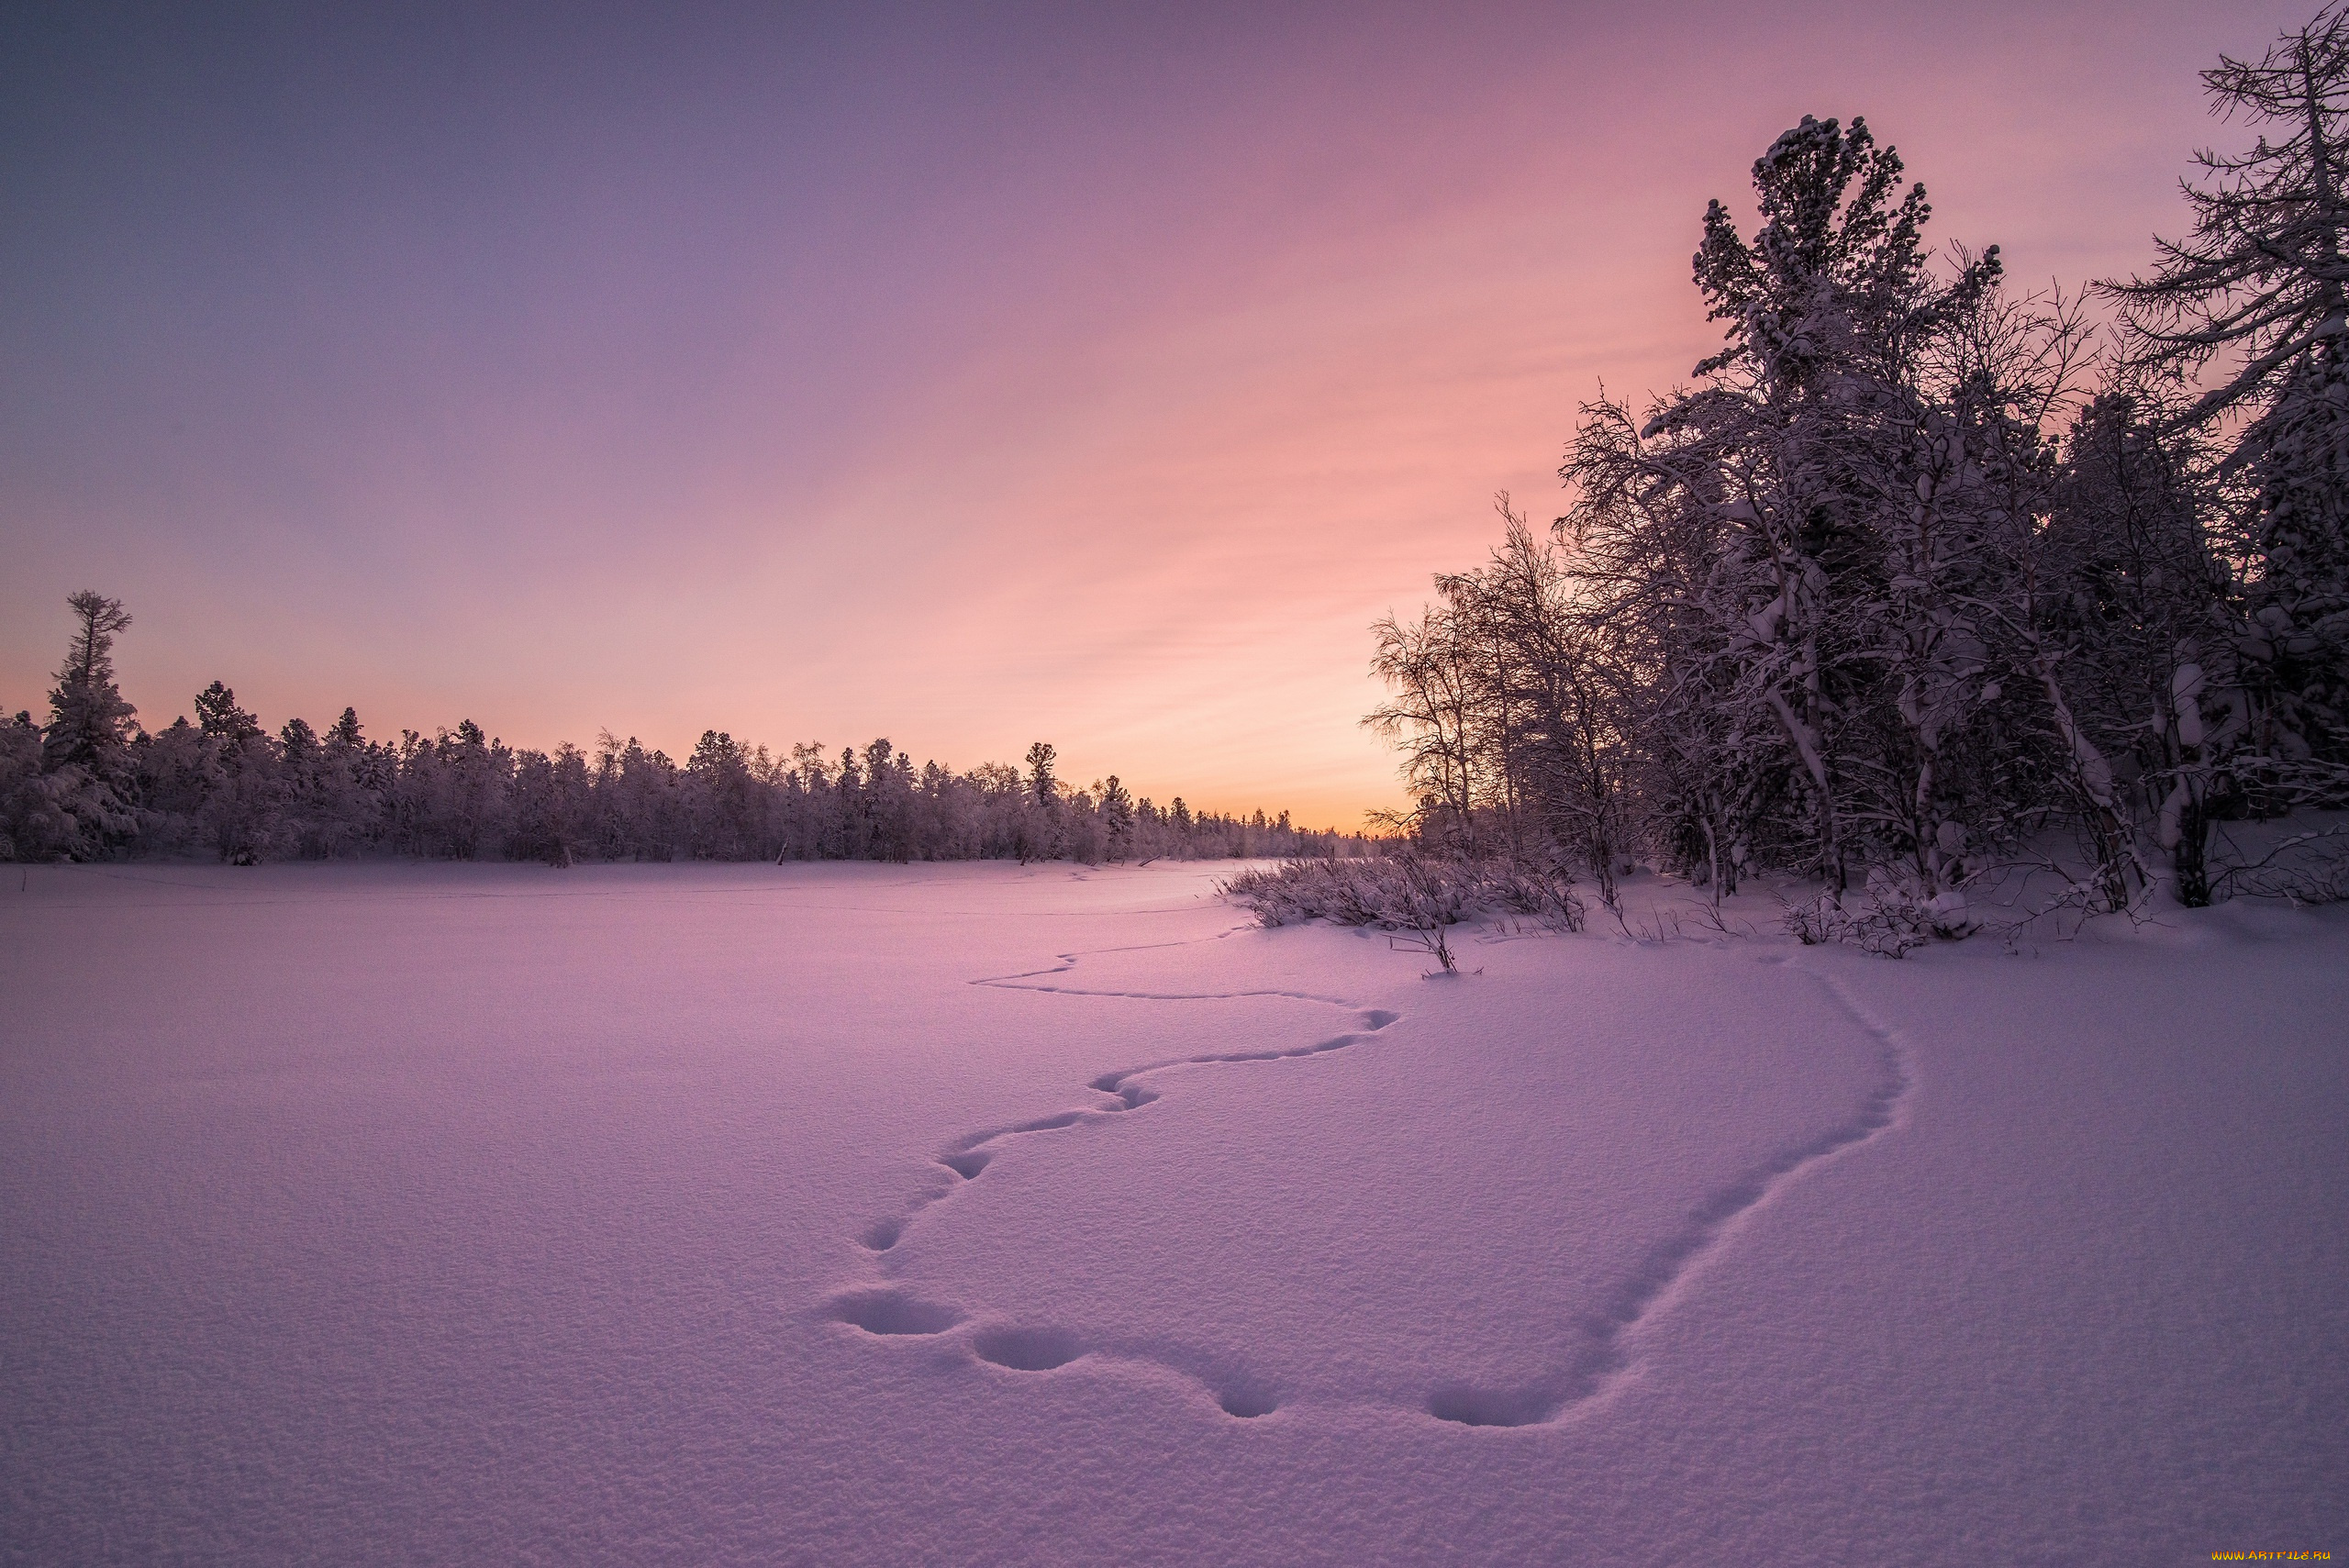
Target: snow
x: 450, y: 1214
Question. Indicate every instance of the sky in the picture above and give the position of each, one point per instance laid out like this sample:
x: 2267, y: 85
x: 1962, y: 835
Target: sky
x: 965, y: 375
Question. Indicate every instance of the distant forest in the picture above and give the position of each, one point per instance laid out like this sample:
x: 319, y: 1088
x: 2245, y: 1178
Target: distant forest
x: 1921, y: 574
x: 92, y: 783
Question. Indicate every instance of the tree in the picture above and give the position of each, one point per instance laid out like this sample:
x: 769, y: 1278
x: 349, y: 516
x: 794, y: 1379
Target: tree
x: 1428, y: 667
x: 1040, y: 783
x: 88, y: 775
x: 887, y: 804
x: 1117, y: 819
x: 1556, y: 697
x: 476, y: 771
x: 242, y: 805
x: 89, y: 722
x: 2260, y: 287
x: 1799, y: 544
x: 1040, y: 835
x: 351, y: 778
x: 720, y: 799
x: 2263, y: 275
x: 550, y: 805
x: 1835, y: 278
x: 637, y: 798
x: 217, y: 715
x: 35, y: 819
x: 2125, y: 633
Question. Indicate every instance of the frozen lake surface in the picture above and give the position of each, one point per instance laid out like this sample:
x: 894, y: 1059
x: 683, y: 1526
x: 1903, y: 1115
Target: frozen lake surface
x: 969, y: 1213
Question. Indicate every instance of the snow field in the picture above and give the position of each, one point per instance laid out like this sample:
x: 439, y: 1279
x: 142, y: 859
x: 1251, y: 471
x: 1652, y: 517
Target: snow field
x: 979, y: 1214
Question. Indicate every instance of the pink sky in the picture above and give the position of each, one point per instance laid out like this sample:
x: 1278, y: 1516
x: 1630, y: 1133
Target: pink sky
x: 1033, y: 374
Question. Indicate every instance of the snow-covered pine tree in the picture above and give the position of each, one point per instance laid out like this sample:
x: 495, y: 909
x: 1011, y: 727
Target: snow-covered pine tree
x: 300, y: 756
x: 217, y: 715
x: 89, y: 774
x: 242, y: 807
x: 90, y: 723
x: 1040, y: 835
x: 1117, y: 819
x: 351, y: 779
x: 889, y: 803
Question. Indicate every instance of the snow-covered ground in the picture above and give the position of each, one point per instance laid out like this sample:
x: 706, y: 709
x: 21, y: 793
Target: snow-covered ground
x: 975, y: 1214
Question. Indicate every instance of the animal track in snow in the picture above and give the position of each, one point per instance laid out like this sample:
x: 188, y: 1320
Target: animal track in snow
x: 1121, y: 1090
x: 1542, y: 1400
x: 1674, y: 1260
x: 889, y: 1313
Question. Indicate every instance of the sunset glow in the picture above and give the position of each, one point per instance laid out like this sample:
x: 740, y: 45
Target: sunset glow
x: 962, y: 378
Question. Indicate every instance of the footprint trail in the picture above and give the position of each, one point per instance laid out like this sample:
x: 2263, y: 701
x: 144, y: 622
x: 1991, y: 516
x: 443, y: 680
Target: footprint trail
x: 1671, y: 1262
x: 887, y: 1311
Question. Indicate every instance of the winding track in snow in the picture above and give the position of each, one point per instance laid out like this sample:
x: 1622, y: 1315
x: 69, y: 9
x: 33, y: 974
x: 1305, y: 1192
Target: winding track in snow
x: 1669, y: 1265
x: 885, y: 1311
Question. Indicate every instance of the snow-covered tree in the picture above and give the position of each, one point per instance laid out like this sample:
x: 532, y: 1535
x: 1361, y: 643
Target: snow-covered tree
x: 2126, y: 635
x: 351, y: 781
x: 37, y: 821
x: 88, y: 771
x: 1797, y: 545
x: 1041, y: 833
x: 90, y: 723
x: 243, y: 790
x: 1117, y: 819
x: 550, y: 807
x: 2262, y: 285
x: 719, y: 799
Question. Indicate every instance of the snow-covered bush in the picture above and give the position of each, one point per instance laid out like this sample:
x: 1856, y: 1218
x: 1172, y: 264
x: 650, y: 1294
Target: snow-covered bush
x: 1410, y: 890
x: 1888, y: 930
x: 1540, y: 891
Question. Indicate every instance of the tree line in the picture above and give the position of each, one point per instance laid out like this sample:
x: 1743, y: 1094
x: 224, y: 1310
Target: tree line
x: 1920, y: 571
x: 91, y: 782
